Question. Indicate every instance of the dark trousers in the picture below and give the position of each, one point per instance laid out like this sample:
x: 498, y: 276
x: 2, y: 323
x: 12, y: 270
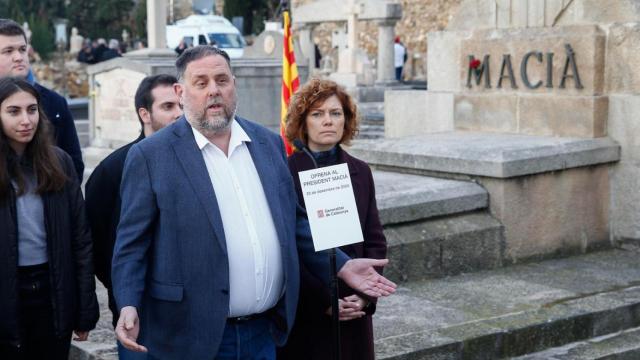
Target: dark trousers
x: 399, y: 73
x: 37, y: 334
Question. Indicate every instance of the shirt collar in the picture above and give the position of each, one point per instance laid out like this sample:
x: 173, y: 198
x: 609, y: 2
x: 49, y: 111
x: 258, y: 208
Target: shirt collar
x: 238, y: 136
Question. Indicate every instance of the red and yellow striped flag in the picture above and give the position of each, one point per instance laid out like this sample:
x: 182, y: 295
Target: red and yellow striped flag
x: 290, y: 80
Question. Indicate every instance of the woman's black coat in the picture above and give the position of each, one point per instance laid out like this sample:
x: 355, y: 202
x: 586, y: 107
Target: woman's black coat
x: 74, y: 302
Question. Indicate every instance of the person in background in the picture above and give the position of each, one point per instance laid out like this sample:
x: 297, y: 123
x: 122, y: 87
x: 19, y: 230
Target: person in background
x: 99, y: 47
x: 14, y: 62
x: 157, y: 106
x: 322, y: 116
x: 399, y: 57
x: 112, y: 52
x: 47, y: 288
x: 85, y: 55
x: 182, y: 46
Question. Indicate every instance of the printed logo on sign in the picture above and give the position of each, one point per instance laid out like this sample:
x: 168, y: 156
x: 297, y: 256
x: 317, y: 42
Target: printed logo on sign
x: 320, y: 213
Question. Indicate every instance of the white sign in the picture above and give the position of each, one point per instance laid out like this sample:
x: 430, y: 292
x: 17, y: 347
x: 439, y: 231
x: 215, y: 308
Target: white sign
x: 331, y: 206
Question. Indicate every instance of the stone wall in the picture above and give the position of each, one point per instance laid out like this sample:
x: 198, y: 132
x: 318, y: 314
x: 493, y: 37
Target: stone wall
x: 607, y: 105
x: 418, y: 18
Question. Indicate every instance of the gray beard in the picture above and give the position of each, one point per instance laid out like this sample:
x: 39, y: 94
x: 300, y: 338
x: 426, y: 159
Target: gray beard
x: 219, y: 123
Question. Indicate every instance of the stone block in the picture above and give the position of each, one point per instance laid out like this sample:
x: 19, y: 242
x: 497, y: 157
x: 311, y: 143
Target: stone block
x: 552, y: 10
x: 483, y: 112
x: 625, y: 197
x: 503, y: 14
x: 570, y: 116
x: 604, y: 12
x: 471, y: 248
x: 549, y: 50
x: 404, y: 112
x: 444, y: 246
x: 536, y: 10
x: 552, y: 213
x: 622, y: 75
x: 404, y: 198
x: 474, y: 14
x: 413, y: 253
x: 114, y: 116
x: 519, y: 14
x: 443, y: 60
x: 485, y: 154
x: 439, y: 115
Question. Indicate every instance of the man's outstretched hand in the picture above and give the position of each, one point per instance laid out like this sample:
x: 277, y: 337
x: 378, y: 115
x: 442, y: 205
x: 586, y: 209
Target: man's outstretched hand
x: 360, y: 275
x: 128, y: 328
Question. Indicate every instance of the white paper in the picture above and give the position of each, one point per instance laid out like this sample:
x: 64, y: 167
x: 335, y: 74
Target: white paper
x: 331, y: 206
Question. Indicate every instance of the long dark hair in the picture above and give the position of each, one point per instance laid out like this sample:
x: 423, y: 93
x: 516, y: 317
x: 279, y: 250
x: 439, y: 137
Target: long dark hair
x: 39, y: 153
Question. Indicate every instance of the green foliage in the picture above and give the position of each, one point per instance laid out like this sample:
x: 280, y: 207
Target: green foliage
x: 100, y: 19
x: 40, y: 15
x: 42, y: 36
x: 255, y: 12
x: 140, y: 20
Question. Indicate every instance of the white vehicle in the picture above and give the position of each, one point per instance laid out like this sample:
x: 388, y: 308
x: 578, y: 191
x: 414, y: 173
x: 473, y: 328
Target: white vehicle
x: 207, y: 29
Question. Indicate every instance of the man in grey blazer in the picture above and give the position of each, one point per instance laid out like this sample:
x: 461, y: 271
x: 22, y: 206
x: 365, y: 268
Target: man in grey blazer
x: 206, y: 258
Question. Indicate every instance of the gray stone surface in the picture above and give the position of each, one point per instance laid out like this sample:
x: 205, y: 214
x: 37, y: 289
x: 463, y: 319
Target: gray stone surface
x: 101, y: 344
x: 511, y: 311
x: 444, y: 246
x: 623, y: 345
x: 487, y: 154
x: 405, y: 197
x: 625, y: 197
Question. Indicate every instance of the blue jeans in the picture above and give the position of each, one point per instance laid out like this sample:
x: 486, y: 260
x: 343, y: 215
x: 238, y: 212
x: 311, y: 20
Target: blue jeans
x: 399, y: 73
x: 250, y: 340
x: 124, y: 354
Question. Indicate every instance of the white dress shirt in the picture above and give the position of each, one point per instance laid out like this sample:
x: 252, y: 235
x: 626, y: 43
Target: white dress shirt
x: 256, y: 276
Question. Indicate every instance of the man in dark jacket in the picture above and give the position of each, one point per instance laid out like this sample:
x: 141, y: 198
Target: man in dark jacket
x: 157, y: 106
x: 15, y: 62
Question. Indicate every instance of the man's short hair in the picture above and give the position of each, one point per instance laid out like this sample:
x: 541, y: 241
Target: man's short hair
x: 144, y: 99
x: 197, y: 53
x: 9, y: 27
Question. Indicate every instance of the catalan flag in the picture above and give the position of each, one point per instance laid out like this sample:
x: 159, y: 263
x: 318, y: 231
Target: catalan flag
x: 290, y: 80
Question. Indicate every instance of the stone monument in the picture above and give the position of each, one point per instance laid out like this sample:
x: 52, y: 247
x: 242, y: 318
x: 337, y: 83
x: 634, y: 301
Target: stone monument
x: 113, y: 84
x: 75, y: 41
x: 385, y: 13
x: 535, y: 101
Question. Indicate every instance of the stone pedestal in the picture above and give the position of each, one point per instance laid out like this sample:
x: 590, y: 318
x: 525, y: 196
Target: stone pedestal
x: 113, y: 83
x: 551, y: 194
x: 156, y: 24
x: 386, y: 69
x: 307, y: 45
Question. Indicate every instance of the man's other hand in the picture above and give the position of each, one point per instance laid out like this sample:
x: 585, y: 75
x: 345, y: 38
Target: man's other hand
x: 128, y: 328
x: 360, y: 275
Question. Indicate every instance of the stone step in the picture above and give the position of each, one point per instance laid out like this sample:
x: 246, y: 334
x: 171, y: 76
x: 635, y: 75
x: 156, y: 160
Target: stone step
x: 370, y: 132
x: 371, y: 107
x: 376, y: 93
x: 79, y: 108
x: 444, y: 246
x: 82, y: 125
x: 623, y: 345
x: 510, y: 311
x: 496, y: 155
x: 403, y: 198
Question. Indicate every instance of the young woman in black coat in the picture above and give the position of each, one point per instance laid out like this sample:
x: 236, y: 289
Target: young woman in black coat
x: 47, y: 288
x: 322, y: 116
